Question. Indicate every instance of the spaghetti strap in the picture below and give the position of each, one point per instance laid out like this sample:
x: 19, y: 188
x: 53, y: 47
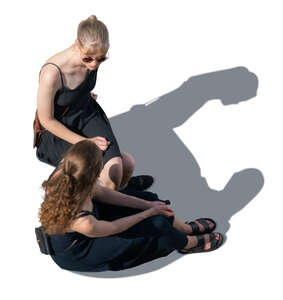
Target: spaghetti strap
x: 84, y: 213
x: 61, y: 74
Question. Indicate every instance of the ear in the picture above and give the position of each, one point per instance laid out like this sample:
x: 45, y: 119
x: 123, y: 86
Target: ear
x: 76, y: 43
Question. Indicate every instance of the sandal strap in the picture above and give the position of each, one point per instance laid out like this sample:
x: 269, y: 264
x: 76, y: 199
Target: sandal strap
x: 205, y: 224
x: 203, y: 221
x: 200, y: 245
x: 201, y: 241
x: 194, y: 226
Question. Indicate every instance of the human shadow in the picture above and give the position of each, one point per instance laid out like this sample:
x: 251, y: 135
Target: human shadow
x: 146, y: 131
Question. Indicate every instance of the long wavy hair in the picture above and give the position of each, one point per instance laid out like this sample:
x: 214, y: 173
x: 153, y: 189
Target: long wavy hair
x: 66, y: 192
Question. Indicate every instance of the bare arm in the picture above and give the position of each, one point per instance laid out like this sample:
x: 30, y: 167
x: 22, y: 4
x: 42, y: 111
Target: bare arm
x: 92, y: 227
x: 49, y: 84
x: 108, y: 196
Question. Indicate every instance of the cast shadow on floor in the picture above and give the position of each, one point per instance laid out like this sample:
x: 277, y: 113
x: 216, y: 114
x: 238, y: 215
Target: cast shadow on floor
x: 146, y: 131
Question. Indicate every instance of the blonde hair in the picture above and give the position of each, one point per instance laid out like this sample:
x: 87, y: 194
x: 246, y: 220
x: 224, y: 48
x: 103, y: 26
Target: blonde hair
x: 92, y: 33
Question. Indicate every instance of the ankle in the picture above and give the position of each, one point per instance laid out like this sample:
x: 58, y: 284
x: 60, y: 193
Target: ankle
x: 187, y: 229
x: 192, y: 242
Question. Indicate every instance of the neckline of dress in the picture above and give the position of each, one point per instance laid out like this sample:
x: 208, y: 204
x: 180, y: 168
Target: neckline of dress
x: 71, y: 90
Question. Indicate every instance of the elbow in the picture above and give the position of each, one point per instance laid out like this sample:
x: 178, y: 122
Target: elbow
x: 46, y: 123
x: 115, y: 228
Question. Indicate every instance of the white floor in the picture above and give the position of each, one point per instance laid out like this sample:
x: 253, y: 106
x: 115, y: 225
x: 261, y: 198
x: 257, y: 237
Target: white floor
x: 155, y: 47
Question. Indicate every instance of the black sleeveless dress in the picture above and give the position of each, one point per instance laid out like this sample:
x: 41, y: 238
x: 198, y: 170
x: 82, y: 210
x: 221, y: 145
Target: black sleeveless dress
x: 150, y: 239
x: 79, y: 112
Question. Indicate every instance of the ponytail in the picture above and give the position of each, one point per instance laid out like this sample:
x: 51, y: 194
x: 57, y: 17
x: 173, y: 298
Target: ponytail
x: 58, y: 207
x: 66, y: 192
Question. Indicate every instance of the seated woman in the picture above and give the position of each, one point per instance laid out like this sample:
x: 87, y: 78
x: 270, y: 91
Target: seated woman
x: 94, y: 228
x: 67, y: 110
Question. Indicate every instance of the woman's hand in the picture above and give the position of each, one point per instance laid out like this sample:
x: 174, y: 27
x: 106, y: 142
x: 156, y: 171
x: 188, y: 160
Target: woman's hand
x: 160, y: 208
x: 155, y: 203
x: 101, y: 142
x: 94, y: 96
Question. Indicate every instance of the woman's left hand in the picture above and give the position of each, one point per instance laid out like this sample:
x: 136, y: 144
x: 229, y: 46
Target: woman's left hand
x: 155, y: 203
x: 94, y: 96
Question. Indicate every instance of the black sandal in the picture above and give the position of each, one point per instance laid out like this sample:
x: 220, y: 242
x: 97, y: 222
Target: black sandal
x: 214, y: 244
x: 203, y: 221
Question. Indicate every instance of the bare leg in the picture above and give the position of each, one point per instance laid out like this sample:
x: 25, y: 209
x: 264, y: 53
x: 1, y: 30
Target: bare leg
x: 128, y: 168
x: 117, y: 171
x: 111, y: 174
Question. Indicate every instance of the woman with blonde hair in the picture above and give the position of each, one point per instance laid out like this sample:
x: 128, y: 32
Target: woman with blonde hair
x: 85, y: 232
x: 67, y: 110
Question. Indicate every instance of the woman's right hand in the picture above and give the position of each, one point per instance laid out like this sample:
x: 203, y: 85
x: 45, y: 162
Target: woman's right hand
x: 101, y: 142
x: 161, y: 209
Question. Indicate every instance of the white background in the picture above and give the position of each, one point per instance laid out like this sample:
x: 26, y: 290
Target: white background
x: 155, y: 46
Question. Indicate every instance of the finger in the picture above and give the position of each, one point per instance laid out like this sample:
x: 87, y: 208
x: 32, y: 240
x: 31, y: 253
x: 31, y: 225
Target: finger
x: 162, y: 203
x: 94, y: 96
x: 101, y: 138
x: 102, y: 143
x: 168, y: 209
x: 104, y: 140
x: 166, y: 213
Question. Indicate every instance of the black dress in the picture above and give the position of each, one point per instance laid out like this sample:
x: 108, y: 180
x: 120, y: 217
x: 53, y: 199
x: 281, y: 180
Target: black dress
x: 78, y: 111
x: 150, y: 239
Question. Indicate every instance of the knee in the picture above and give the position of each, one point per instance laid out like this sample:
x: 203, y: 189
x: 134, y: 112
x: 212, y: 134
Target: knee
x: 112, y: 185
x: 114, y: 179
x: 111, y: 175
x: 128, y: 163
x: 159, y: 221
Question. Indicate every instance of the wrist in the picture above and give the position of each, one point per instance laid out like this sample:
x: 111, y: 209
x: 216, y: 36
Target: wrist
x: 148, y: 204
x: 148, y: 213
x: 79, y: 138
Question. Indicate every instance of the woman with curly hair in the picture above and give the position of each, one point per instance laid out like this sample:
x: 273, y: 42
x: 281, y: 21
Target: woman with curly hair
x: 87, y: 234
x: 67, y: 110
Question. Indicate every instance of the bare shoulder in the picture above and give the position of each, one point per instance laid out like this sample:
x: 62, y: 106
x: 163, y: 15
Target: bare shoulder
x: 84, y: 224
x: 50, y: 76
x: 49, y: 73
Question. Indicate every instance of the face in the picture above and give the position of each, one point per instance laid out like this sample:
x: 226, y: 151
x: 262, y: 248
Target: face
x: 92, y: 58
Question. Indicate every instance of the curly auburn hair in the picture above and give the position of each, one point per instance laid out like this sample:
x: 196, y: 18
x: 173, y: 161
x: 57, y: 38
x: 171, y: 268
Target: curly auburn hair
x: 66, y: 192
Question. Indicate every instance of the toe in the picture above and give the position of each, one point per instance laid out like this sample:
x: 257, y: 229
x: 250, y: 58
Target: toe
x: 207, y: 242
x: 210, y: 224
